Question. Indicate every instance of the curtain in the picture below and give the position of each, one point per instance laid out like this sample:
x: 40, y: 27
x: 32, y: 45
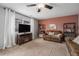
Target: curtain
x: 9, y: 31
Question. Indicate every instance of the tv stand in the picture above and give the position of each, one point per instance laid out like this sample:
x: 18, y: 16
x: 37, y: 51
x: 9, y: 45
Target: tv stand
x: 23, y: 38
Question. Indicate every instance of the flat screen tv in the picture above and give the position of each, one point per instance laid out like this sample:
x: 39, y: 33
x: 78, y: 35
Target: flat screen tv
x: 24, y: 28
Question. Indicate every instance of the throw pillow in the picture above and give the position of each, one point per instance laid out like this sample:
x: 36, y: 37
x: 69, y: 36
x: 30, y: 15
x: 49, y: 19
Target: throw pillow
x: 76, y: 40
x: 51, y: 33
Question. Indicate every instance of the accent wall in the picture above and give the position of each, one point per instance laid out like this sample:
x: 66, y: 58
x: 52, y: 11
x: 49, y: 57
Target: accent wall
x: 59, y: 21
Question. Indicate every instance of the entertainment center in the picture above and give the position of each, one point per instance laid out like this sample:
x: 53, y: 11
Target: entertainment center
x: 23, y: 38
x: 23, y: 34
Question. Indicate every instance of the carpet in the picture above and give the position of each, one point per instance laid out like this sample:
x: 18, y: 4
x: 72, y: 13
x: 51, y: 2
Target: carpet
x: 37, y: 47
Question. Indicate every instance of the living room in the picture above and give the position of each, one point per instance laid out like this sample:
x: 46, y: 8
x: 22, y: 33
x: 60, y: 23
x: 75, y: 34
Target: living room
x: 39, y: 29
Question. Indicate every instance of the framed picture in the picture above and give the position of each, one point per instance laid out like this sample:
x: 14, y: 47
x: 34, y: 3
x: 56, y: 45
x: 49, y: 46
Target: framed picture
x: 51, y: 26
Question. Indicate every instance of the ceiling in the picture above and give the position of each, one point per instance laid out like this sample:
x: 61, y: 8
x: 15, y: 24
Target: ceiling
x: 60, y: 9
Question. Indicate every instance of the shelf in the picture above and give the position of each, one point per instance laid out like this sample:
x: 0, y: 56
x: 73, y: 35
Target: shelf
x: 69, y: 29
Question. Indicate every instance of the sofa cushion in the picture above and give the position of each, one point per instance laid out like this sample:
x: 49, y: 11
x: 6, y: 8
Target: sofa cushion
x: 76, y: 40
x: 58, y: 35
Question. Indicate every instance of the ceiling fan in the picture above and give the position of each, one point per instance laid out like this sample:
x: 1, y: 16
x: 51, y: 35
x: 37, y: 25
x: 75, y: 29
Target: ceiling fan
x: 39, y: 6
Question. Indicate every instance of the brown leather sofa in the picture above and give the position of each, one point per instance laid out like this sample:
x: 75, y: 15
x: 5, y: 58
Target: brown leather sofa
x: 54, y: 38
x: 73, y: 48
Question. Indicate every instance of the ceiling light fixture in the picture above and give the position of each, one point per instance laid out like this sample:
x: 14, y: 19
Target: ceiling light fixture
x: 40, y: 5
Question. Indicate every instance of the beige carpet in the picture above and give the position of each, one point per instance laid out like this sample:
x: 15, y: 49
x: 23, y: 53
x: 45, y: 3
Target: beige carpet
x: 37, y: 47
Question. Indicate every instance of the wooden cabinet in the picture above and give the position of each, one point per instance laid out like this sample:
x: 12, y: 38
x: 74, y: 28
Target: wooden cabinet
x: 69, y: 29
x: 23, y: 38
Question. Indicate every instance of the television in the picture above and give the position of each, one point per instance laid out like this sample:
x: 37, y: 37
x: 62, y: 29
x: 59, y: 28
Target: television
x: 24, y: 28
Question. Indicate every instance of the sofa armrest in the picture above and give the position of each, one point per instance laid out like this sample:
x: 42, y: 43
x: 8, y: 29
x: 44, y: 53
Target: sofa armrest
x: 69, y: 38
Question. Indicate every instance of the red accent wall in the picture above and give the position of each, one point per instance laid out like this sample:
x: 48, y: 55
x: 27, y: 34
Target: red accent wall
x: 59, y: 21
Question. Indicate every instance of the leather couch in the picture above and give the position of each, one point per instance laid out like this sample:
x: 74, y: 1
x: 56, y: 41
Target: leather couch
x: 73, y: 48
x: 54, y: 38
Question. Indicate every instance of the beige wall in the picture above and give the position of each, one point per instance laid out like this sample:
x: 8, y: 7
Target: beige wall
x: 34, y: 28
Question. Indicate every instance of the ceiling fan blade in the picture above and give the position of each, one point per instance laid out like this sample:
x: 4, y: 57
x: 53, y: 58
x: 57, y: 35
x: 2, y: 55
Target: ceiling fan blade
x: 31, y: 5
x: 39, y: 10
x: 48, y: 6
